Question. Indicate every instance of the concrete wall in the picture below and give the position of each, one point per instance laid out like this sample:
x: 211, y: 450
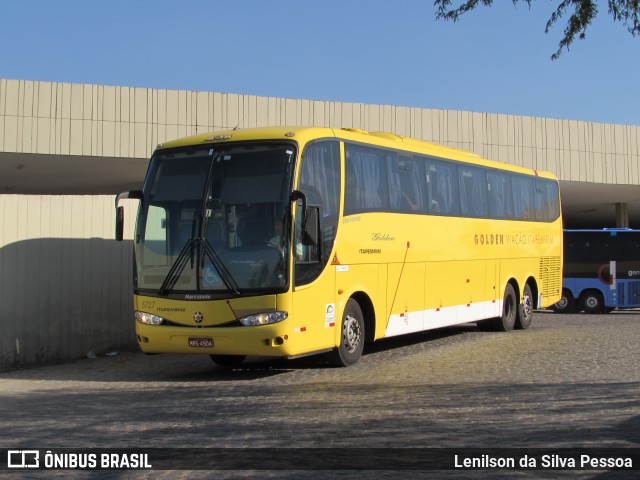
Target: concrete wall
x: 65, y: 285
x: 98, y: 120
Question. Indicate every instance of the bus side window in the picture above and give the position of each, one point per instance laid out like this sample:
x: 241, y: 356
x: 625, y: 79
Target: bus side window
x: 403, y: 184
x: 442, y: 189
x: 523, y: 201
x: 367, y: 178
x: 473, y: 195
x: 499, y: 195
x: 553, y: 199
x: 540, y: 199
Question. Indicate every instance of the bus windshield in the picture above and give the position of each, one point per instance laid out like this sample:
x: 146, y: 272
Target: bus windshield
x: 214, y: 218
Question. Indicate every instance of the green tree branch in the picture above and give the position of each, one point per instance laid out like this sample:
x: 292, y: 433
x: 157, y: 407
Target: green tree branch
x: 581, y: 15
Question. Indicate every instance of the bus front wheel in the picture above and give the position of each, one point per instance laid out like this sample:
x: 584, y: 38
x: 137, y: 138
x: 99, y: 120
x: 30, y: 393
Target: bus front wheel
x: 591, y: 301
x: 351, y: 338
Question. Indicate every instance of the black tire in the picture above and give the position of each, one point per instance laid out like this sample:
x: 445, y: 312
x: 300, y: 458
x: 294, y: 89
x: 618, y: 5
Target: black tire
x: 506, y: 322
x: 352, y: 336
x: 566, y: 304
x: 525, y: 310
x: 592, y: 301
x: 228, y: 360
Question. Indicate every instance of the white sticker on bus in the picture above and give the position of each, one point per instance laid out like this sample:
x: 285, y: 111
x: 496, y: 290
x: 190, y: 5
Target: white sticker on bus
x: 329, y: 316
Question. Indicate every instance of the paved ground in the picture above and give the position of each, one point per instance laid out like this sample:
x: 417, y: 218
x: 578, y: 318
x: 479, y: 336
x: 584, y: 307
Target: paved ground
x: 568, y: 381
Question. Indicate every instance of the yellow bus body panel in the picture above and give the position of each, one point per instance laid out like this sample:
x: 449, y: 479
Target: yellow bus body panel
x: 428, y: 283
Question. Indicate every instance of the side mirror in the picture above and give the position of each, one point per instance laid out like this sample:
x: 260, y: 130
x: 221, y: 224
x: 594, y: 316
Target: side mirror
x: 310, y: 219
x: 134, y: 194
x: 119, y: 223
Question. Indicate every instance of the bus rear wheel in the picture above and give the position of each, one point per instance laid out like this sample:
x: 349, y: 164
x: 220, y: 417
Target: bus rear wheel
x: 525, y: 309
x: 566, y: 304
x: 591, y: 301
x: 351, y: 338
x: 506, y: 322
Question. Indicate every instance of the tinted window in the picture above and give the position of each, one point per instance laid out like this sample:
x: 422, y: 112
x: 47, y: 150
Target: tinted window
x: 385, y: 180
x: 442, y: 189
x: 523, y: 198
x: 473, y: 191
x: 366, y: 188
x: 405, y: 192
x: 499, y: 195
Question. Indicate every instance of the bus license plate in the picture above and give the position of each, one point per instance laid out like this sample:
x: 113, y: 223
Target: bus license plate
x: 201, y: 342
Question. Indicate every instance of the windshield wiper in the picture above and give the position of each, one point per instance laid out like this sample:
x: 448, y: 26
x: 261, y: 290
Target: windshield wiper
x: 226, y: 276
x: 178, y: 266
x: 181, y: 261
x: 205, y: 247
x: 198, y: 243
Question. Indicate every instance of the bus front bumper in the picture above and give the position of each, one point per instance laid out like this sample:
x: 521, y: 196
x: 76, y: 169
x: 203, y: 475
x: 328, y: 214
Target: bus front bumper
x: 266, y: 340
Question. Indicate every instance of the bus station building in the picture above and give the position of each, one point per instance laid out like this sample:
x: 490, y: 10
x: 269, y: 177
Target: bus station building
x: 67, y: 149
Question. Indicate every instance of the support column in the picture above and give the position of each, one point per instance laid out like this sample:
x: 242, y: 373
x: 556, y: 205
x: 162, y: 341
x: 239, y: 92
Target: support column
x: 622, y: 215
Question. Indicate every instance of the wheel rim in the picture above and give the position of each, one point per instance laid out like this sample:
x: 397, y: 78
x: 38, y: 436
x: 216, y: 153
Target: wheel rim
x: 563, y: 303
x: 592, y: 302
x: 527, y: 306
x: 352, y: 333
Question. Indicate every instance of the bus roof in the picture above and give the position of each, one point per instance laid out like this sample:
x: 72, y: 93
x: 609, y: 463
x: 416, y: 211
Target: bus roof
x: 382, y: 139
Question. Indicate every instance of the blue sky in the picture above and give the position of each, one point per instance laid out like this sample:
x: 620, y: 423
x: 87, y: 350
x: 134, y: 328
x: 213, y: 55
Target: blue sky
x: 494, y: 60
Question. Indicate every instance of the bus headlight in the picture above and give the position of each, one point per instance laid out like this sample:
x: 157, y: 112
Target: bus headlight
x: 263, y: 318
x: 148, y: 318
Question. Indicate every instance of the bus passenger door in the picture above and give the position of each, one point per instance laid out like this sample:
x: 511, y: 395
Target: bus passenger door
x: 314, y: 311
x: 314, y: 290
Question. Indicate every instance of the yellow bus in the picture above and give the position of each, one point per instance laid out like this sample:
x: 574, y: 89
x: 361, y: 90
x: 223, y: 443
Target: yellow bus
x: 287, y: 242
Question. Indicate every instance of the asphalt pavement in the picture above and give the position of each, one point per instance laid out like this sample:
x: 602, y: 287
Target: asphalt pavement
x: 570, y: 381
